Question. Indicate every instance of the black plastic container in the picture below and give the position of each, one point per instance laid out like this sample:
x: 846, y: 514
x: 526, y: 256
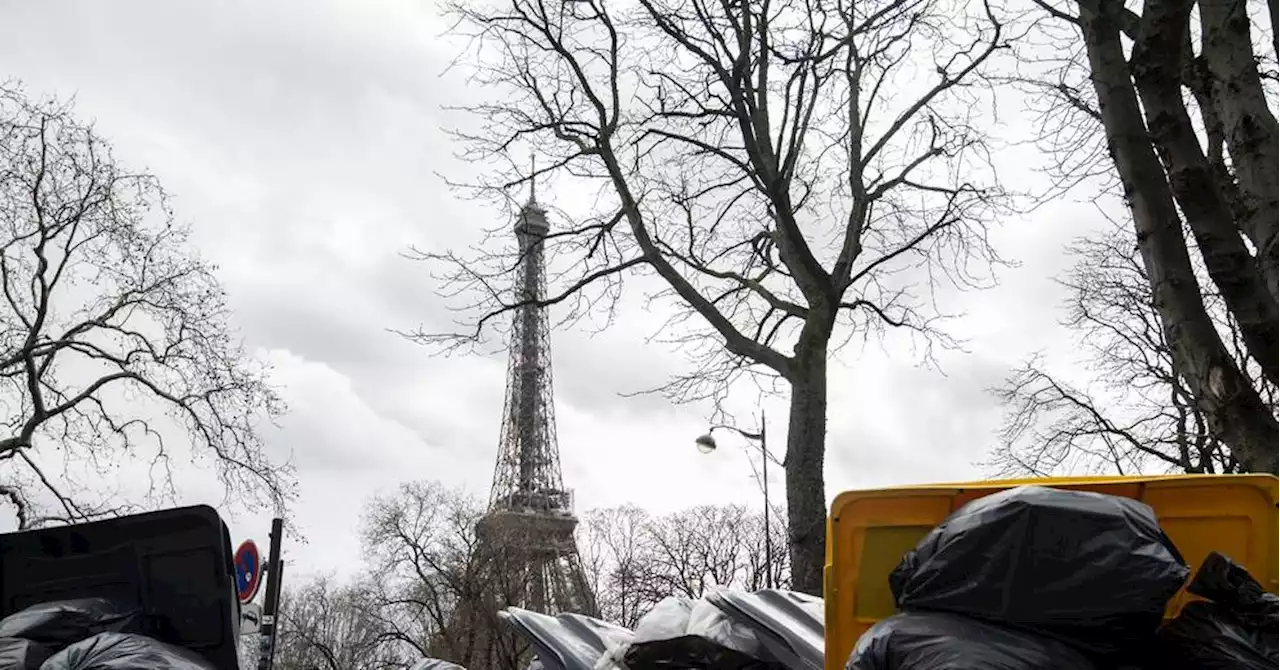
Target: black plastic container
x: 175, y: 565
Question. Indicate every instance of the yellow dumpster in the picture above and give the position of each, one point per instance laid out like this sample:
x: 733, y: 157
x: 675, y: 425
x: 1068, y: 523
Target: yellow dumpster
x: 869, y: 531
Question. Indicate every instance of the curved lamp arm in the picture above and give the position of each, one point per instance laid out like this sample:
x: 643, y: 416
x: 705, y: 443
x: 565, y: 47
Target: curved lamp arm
x: 707, y: 443
x: 749, y: 435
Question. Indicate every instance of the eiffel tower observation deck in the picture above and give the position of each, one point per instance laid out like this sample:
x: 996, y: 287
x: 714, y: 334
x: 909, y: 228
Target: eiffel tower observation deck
x: 530, y: 521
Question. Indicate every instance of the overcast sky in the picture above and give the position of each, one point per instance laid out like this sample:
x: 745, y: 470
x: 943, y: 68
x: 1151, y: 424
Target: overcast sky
x: 302, y: 138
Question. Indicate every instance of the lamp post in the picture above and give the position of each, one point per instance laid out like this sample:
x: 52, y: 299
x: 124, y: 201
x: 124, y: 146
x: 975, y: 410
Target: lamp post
x: 707, y: 444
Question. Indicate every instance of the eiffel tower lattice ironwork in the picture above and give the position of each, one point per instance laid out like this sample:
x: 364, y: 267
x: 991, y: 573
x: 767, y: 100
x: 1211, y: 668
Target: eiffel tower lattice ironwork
x: 530, y: 521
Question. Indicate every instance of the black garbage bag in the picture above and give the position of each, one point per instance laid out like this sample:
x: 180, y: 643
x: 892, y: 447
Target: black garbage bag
x: 19, y: 654
x: 1091, y: 569
x: 59, y: 623
x: 125, y: 651
x: 1236, y: 629
x: 938, y: 641
x: 1206, y: 636
x: 1226, y: 582
x: 694, y: 635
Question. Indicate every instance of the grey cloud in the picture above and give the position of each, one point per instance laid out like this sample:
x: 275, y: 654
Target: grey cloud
x: 901, y: 424
x: 305, y: 196
x: 301, y: 137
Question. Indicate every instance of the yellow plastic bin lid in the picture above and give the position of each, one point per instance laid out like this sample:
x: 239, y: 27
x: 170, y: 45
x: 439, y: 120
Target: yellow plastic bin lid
x: 869, y: 531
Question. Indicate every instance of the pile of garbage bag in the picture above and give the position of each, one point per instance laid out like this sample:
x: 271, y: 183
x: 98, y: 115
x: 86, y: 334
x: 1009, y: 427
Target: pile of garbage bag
x: 62, y: 622
x: 768, y: 629
x: 87, y: 634
x: 695, y: 634
x: 936, y: 640
x: 1035, y: 578
x: 1029, y: 578
x: 124, y: 651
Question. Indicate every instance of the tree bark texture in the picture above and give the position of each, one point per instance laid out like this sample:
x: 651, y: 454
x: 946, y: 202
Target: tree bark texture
x: 1156, y: 59
x: 1249, y: 126
x: 1231, y: 404
x: 805, y: 460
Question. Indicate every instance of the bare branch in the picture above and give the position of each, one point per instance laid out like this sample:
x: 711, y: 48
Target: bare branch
x: 332, y: 626
x: 109, y: 322
x: 795, y: 174
x: 1139, y: 414
x: 1167, y: 117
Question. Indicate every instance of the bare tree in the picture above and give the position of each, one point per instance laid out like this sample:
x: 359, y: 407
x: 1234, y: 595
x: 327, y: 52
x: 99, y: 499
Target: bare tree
x: 1139, y: 414
x: 614, y: 546
x: 330, y: 626
x: 433, y: 590
x: 106, y: 312
x: 1208, y: 203
x: 437, y: 590
x: 643, y: 558
x: 794, y: 173
x: 694, y: 550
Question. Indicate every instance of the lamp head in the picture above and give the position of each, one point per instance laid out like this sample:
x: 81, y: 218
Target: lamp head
x: 705, y: 443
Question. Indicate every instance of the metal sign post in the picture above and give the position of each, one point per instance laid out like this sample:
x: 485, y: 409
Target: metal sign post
x: 267, y: 651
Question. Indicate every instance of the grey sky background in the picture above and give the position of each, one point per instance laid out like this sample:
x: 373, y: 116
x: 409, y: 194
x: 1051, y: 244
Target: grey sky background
x: 301, y: 138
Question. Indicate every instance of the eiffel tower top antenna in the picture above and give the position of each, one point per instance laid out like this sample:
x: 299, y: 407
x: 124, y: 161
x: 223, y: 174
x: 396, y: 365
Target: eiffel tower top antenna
x: 533, y: 178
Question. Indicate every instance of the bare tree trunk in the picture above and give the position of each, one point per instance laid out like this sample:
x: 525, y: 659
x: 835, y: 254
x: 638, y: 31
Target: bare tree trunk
x: 1156, y: 56
x: 806, y: 482
x: 1249, y: 126
x: 1231, y: 404
x: 1273, y: 9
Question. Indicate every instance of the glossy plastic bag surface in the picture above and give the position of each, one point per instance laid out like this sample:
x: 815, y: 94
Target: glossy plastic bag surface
x: 937, y: 641
x: 1226, y: 582
x: 19, y: 654
x: 1206, y: 636
x: 63, y: 622
x: 685, y: 633
x: 125, y: 651
x: 1094, y: 570
x: 1237, y: 629
x: 614, y: 657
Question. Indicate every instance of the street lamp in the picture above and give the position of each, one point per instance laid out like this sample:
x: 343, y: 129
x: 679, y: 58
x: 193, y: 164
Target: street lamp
x: 707, y: 444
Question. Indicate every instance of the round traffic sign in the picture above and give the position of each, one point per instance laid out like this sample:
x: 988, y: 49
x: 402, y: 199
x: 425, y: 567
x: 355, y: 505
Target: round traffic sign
x: 248, y: 567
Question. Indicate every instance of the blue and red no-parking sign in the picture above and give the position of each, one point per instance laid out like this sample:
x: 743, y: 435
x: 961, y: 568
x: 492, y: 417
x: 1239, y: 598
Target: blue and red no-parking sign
x: 248, y: 568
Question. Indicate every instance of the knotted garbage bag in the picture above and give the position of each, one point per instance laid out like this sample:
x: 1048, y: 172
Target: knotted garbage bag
x: 938, y: 641
x: 1226, y: 582
x: 59, y: 623
x: 125, y: 651
x: 1237, y: 628
x: 694, y: 634
x: 1090, y: 569
x: 19, y: 654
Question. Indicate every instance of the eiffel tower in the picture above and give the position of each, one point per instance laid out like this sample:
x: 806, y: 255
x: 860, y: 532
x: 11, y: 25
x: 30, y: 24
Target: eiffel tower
x: 530, y: 520
x: 526, y: 551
